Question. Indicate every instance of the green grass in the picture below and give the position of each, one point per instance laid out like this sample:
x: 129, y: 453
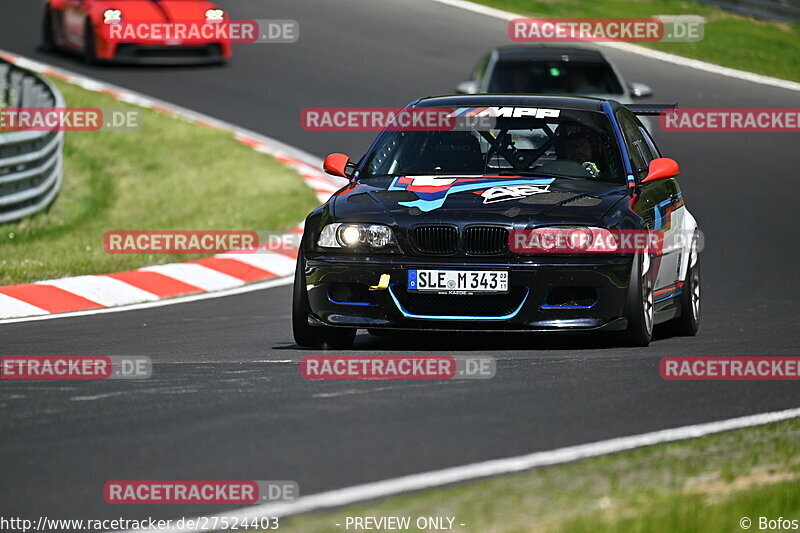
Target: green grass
x: 682, y: 514
x: 168, y: 175
x: 705, y: 484
x: 731, y: 40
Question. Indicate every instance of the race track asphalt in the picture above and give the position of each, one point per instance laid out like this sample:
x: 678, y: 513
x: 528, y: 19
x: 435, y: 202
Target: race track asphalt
x: 226, y: 400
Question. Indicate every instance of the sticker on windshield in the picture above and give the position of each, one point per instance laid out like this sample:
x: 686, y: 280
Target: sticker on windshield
x: 512, y: 192
x: 506, y: 112
x: 432, y: 191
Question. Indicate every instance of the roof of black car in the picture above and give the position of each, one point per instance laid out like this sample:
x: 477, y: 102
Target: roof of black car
x: 514, y: 100
x: 549, y: 53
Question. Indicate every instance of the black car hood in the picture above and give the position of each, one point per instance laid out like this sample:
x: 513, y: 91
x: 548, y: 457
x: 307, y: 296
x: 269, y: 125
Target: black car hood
x: 519, y: 202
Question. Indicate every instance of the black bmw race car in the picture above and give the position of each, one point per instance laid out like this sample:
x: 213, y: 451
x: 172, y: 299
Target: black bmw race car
x: 431, y: 232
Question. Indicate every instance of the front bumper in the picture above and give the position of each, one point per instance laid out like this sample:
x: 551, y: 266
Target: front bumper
x: 338, y: 295
x: 139, y: 54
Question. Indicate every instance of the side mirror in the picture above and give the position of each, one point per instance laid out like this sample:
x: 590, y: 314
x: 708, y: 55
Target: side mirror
x: 467, y: 87
x: 336, y: 165
x: 662, y: 168
x: 640, y: 90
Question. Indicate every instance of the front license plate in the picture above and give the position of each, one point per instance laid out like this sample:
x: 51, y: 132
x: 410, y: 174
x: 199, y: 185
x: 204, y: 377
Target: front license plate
x: 458, y: 281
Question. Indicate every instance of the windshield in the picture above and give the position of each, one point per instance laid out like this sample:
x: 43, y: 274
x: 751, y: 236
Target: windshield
x: 554, y: 77
x: 574, y: 144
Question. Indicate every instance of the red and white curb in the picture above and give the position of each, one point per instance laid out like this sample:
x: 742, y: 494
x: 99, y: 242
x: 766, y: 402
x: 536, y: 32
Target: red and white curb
x: 221, y: 272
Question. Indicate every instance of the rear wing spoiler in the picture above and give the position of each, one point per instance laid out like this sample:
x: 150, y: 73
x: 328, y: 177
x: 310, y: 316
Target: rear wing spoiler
x: 651, y: 109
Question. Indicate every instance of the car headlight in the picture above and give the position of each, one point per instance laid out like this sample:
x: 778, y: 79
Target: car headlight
x: 112, y: 16
x: 215, y: 16
x: 354, y: 236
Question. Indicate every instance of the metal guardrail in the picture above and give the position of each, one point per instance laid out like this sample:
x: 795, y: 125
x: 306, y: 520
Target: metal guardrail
x: 30, y: 161
x: 781, y: 10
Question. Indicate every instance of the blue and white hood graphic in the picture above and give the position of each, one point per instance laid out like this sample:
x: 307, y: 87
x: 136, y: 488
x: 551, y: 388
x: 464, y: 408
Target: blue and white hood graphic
x: 433, y: 191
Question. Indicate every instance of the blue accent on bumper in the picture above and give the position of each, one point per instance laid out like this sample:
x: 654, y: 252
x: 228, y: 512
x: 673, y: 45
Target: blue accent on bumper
x: 362, y: 304
x: 408, y: 314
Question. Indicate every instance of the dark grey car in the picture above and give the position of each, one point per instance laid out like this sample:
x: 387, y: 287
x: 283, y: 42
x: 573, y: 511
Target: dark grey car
x: 551, y: 70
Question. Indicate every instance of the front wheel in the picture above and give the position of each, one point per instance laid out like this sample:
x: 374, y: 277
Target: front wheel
x: 89, y: 47
x: 306, y: 335
x: 640, y: 310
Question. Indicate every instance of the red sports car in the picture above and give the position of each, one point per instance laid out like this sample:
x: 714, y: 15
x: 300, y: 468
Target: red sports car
x: 135, y: 31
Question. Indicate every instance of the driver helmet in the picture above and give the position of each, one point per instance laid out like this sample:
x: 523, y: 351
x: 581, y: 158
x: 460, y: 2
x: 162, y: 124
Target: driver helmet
x: 572, y: 130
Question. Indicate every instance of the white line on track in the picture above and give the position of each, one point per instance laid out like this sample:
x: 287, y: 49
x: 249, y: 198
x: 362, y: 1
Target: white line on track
x: 458, y: 474
x: 350, y: 392
x: 640, y: 50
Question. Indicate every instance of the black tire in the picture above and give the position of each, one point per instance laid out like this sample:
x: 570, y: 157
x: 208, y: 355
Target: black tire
x: 306, y: 335
x: 48, y: 35
x: 639, y: 308
x: 89, y: 51
x: 688, y: 322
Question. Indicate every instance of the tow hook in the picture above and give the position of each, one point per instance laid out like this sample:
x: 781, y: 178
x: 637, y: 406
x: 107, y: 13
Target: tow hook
x: 383, y: 284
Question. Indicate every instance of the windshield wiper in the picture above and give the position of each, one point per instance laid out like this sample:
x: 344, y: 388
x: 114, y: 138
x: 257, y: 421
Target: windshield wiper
x: 528, y: 173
